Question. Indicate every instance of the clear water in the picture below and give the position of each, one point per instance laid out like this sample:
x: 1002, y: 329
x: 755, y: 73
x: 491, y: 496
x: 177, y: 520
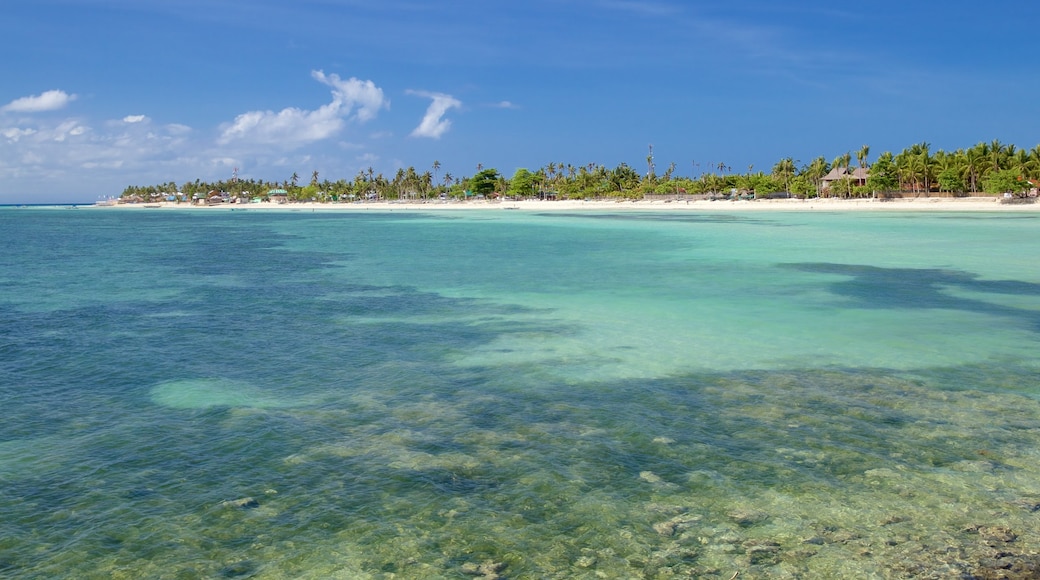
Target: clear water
x: 192, y: 394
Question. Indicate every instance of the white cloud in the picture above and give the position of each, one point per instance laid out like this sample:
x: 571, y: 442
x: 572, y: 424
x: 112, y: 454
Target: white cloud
x: 14, y: 134
x: 364, y: 94
x: 505, y: 105
x: 46, y: 101
x: 134, y: 118
x: 292, y: 127
x: 178, y: 129
x: 68, y: 129
x: 433, y: 124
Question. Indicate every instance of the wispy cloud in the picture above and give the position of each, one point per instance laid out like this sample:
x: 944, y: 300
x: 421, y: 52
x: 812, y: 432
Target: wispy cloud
x: 46, y: 101
x: 134, y: 118
x: 13, y: 134
x: 293, y: 127
x: 433, y: 123
x: 505, y: 105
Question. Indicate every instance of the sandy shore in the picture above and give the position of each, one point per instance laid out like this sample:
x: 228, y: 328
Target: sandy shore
x: 906, y: 204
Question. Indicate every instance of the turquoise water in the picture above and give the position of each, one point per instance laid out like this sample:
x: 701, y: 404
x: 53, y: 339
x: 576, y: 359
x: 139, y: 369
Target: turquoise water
x: 191, y: 394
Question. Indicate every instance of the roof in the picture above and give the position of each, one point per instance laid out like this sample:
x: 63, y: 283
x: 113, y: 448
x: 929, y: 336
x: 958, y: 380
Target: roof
x: 842, y: 172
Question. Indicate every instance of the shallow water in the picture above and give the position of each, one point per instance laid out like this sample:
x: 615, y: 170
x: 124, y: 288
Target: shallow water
x: 481, y: 394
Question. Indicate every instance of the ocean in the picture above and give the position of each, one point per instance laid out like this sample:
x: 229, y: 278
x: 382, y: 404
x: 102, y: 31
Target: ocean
x: 493, y: 394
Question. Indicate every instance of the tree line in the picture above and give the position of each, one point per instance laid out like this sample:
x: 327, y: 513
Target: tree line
x: 990, y: 168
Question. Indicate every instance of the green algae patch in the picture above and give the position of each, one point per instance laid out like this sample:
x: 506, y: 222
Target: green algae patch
x: 213, y: 392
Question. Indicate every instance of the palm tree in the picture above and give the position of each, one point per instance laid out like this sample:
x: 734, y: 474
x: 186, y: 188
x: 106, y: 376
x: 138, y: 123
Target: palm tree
x: 974, y: 160
x: 996, y: 154
x: 915, y: 167
x: 425, y: 183
x: 1021, y: 162
x: 925, y: 165
x: 1034, y: 166
x: 861, y: 156
x: 843, y: 162
x: 816, y: 171
x: 784, y: 171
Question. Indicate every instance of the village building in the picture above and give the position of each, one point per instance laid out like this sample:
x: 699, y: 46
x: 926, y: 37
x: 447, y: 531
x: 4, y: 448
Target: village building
x: 858, y: 176
x: 278, y: 196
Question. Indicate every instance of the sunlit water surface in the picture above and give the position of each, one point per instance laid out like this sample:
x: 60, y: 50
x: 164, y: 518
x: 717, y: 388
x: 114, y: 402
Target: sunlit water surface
x: 246, y: 394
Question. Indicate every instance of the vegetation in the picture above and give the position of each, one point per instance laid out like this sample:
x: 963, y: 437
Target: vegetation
x: 986, y: 168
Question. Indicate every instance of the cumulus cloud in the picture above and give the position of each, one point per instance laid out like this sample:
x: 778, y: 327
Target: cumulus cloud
x: 365, y: 95
x: 352, y: 99
x: 433, y: 123
x: 134, y: 118
x: 46, y: 101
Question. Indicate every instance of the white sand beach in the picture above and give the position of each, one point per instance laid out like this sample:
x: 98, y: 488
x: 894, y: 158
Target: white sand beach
x: 827, y: 204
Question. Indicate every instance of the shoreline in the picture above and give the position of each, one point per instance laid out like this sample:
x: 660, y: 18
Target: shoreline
x: 829, y: 204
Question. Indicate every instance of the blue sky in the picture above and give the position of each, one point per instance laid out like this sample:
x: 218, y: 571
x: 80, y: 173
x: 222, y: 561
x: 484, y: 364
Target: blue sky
x: 101, y: 94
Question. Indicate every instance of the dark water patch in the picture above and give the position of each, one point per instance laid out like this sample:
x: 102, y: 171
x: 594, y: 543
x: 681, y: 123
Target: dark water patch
x: 872, y: 287
x: 452, y: 483
x: 664, y: 217
x: 241, y: 569
x: 983, y: 216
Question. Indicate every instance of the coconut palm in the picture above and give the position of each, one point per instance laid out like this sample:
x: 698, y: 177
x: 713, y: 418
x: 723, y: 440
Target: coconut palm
x: 861, y: 156
x: 973, y: 165
x: 784, y: 171
x: 815, y: 172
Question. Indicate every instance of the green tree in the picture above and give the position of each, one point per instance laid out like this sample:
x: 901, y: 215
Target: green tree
x: 861, y: 156
x: 883, y: 177
x: 1004, y: 181
x: 483, y: 183
x: 783, y: 171
x: 522, y: 183
x: 949, y: 180
x: 802, y: 186
x: 816, y: 171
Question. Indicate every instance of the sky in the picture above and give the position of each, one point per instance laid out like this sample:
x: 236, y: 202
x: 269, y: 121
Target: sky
x: 98, y: 95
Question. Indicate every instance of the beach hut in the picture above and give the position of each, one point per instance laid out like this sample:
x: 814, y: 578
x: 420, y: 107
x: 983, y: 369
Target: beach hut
x: 278, y: 195
x: 858, y: 176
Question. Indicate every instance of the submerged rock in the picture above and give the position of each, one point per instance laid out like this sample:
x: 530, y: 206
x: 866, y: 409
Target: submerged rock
x: 991, y: 534
x: 240, y: 569
x: 488, y: 569
x: 241, y: 503
x: 677, y: 523
x: 1005, y: 566
x: 747, y: 518
x: 1030, y: 504
x: 650, y: 477
x: 762, y: 552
